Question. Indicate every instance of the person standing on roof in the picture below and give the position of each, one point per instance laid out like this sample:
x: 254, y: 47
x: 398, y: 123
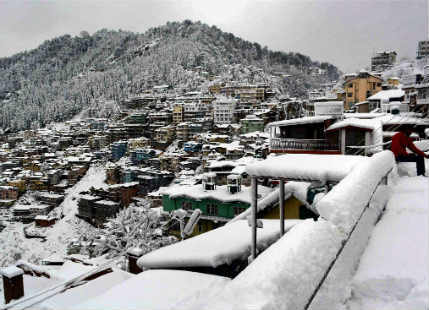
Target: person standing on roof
x: 400, y: 142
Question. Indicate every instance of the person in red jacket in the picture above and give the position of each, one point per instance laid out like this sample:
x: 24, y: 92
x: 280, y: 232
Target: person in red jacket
x: 400, y: 142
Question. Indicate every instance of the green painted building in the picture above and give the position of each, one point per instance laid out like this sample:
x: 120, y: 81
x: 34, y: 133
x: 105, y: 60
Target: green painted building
x: 218, y: 205
x: 251, y: 123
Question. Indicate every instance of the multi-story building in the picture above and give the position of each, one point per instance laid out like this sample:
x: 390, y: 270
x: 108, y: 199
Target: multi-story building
x: 423, y: 49
x: 178, y: 113
x: 358, y: 88
x: 165, y: 134
x: 182, y: 131
x: 223, y: 110
x: 193, y: 111
x: 119, y: 149
x: 251, y: 123
x: 383, y: 60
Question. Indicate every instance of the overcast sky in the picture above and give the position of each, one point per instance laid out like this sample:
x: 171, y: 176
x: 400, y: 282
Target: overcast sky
x: 343, y: 32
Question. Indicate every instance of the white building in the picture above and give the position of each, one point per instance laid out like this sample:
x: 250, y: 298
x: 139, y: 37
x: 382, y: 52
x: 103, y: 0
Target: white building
x: 223, y: 110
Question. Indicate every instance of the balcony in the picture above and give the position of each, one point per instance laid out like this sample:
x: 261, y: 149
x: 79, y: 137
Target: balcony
x: 317, y: 146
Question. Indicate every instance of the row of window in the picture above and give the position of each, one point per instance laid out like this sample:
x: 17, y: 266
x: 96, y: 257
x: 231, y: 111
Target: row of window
x: 212, y: 209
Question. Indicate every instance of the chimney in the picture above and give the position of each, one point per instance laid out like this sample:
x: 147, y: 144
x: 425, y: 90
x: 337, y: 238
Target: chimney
x: 133, y: 255
x: 13, y: 283
x: 209, y: 181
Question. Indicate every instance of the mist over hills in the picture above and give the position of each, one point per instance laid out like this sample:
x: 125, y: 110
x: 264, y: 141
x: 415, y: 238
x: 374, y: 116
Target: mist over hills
x: 67, y: 74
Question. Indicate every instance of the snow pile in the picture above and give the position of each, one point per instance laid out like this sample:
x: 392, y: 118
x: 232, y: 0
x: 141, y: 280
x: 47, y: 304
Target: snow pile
x: 307, y: 167
x: 344, y: 204
x: 221, y: 193
x: 394, y: 270
x: 216, y: 247
x: 285, y: 275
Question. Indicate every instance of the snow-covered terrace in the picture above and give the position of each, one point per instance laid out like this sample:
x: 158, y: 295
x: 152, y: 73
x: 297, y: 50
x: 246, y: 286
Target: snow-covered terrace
x: 217, y: 247
x: 298, y: 270
x: 306, y: 167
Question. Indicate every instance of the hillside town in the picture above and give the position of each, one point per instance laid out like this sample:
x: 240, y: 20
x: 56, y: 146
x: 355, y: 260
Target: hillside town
x: 199, y: 192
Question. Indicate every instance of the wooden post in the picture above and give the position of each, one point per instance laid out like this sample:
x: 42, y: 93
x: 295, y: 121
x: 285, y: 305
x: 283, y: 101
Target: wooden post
x: 367, y: 141
x: 343, y: 141
x: 13, y: 283
x: 133, y: 255
x: 282, y: 206
x: 254, y: 211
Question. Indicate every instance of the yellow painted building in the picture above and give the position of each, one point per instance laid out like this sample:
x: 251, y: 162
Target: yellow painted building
x: 393, y: 81
x: 294, y: 209
x: 359, y: 88
x: 178, y: 113
x: 21, y: 185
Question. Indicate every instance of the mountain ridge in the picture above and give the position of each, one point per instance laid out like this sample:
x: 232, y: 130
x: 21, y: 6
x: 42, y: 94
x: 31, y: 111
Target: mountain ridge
x: 66, y: 74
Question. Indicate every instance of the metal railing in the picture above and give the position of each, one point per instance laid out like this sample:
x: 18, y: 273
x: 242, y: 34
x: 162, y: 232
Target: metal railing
x: 283, y: 144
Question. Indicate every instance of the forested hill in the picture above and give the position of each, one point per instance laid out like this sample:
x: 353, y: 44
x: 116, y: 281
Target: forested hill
x: 64, y: 75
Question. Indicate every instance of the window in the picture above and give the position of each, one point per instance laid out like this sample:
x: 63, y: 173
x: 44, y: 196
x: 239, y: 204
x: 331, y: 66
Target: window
x: 186, y: 205
x: 212, y: 209
x: 378, y: 84
x: 349, y: 94
x: 238, y: 210
x: 350, y: 85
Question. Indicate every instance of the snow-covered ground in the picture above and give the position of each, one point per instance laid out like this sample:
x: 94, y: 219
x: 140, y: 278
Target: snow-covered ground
x: 14, y: 246
x: 393, y: 271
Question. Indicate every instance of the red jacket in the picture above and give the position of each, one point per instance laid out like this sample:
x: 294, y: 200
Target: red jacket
x: 400, y: 143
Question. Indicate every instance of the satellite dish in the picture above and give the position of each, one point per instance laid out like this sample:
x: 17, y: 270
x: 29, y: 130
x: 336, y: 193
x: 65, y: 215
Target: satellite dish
x: 193, y: 220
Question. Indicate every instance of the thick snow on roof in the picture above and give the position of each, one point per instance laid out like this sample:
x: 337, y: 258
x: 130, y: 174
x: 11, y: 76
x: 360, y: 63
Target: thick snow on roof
x: 355, y: 122
x: 302, y: 120
x: 285, y: 275
x: 394, y: 271
x: 69, y: 270
x: 363, y: 115
x: 82, y: 293
x: 307, y: 167
x: 387, y: 94
x: 156, y: 290
x: 214, y: 248
x: 375, y: 125
x: 221, y: 193
x: 32, y: 285
x: 401, y: 119
x: 344, y: 204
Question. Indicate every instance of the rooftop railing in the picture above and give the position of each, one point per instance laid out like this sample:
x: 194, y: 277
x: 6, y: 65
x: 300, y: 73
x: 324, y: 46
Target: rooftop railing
x: 285, y: 144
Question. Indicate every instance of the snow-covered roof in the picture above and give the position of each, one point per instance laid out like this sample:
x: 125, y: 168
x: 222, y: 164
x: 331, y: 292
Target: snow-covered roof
x: 155, y: 290
x: 302, y: 120
x: 369, y: 124
x: 387, y: 94
x: 390, y: 119
x: 221, y: 193
x: 214, y: 248
x: 306, y: 167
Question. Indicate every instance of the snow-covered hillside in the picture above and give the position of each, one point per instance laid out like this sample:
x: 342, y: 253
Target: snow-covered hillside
x: 14, y: 245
